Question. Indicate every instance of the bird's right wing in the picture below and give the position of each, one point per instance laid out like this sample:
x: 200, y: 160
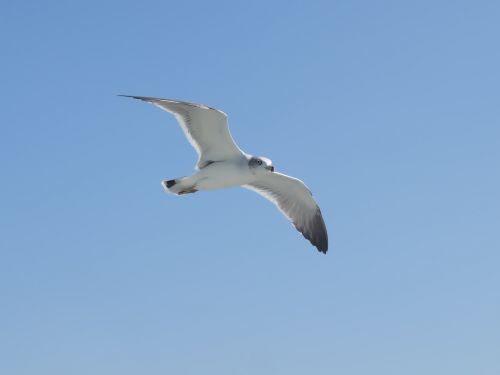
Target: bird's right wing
x: 206, y: 129
x: 295, y: 201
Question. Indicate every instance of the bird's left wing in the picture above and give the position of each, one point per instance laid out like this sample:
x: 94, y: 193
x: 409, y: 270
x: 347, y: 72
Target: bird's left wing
x: 205, y: 128
x: 295, y: 201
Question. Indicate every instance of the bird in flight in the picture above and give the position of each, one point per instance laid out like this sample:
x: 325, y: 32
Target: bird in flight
x: 221, y: 163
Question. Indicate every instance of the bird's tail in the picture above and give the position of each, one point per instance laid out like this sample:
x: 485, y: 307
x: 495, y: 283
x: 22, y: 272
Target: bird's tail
x: 179, y: 186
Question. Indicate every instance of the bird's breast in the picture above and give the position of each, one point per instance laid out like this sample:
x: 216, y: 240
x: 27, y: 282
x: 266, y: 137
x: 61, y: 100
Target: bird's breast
x: 219, y: 175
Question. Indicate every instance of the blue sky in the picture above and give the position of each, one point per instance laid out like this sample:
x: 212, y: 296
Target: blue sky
x: 387, y: 110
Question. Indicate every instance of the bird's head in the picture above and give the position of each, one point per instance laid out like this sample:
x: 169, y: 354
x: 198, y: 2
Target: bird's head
x: 260, y: 164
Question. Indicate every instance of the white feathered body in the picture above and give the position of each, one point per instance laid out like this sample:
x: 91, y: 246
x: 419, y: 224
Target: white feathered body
x: 217, y: 175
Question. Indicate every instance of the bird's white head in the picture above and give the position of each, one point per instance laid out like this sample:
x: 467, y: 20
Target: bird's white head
x: 260, y: 164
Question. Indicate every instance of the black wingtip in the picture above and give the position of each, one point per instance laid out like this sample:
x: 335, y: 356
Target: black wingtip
x: 319, y: 236
x: 129, y: 96
x: 321, y: 244
x: 143, y: 98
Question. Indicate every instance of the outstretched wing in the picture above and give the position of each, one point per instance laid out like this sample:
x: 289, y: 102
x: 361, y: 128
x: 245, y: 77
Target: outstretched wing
x: 295, y: 201
x: 206, y: 129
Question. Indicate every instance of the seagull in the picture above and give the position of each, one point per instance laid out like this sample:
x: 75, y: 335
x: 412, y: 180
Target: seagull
x: 221, y: 163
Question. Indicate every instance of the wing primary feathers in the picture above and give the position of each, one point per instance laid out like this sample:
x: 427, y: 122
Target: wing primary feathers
x: 295, y: 201
x: 151, y: 100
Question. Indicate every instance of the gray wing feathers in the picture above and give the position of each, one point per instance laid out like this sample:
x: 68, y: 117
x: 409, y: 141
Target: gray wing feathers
x: 205, y: 128
x: 295, y: 201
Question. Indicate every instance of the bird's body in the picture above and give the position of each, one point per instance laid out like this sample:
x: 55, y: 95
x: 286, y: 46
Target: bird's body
x: 221, y: 164
x: 216, y: 175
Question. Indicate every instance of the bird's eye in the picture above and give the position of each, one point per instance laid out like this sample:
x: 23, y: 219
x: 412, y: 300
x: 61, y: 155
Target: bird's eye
x: 259, y: 162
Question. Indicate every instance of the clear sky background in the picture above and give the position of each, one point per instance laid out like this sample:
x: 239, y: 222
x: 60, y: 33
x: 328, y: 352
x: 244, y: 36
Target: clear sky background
x: 388, y: 110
